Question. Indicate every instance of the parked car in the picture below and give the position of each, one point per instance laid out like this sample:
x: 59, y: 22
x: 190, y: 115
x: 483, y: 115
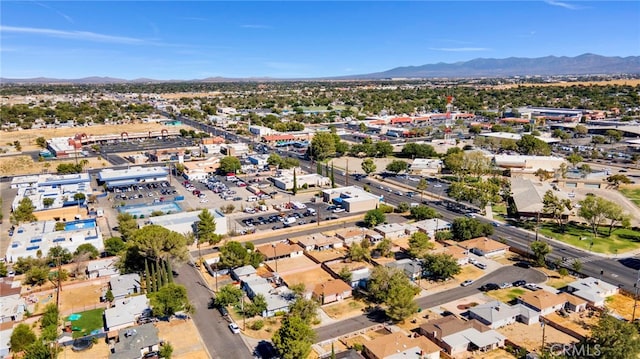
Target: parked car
x: 338, y: 210
x: 480, y: 265
x: 523, y: 265
x: 506, y: 285
x: 223, y: 311
x: 532, y: 286
x: 519, y: 283
x: 466, y: 283
x: 489, y: 286
x: 234, y: 328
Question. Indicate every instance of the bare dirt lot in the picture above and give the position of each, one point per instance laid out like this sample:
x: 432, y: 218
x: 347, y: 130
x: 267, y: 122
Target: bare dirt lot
x: 345, y: 309
x: 530, y: 336
x: 100, y: 350
x: 22, y: 165
x: 184, y: 337
x: 621, y: 305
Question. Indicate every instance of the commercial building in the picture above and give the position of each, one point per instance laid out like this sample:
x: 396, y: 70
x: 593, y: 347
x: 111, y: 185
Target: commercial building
x: 51, y: 191
x: 64, y: 147
x: 519, y: 164
x: 132, y: 176
x: 551, y: 114
x: 30, y: 238
x: 528, y: 196
x: 352, y: 198
x: 235, y: 149
x: 285, y: 182
x: 425, y: 166
x: 199, y: 170
x: 185, y: 222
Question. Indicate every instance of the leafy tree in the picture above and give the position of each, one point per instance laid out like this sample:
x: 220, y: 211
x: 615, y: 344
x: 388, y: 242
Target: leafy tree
x: 419, y: 244
x: 233, y: 254
x: 80, y: 197
x: 206, y: 227
x: 305, y: 309
x: 294, y: 338
x: 109, y: 296
x: 374, y: 217
x: 382, y: 279
x: 384, y: 247
x: 402, y: 207
x: 294, y: 189
x: 169, y: 299
x: 440, y: 266
x: 574, y: 159
x: 36, y: 275
x: 229, y: 164
x: 444, y: 236
x: 617, y: 339
x: 424, y: 212
x: 613, y: 135
x: 615, y: 214
x: 41, y: 142
x: 21, y: 338
x: 540, y: 250
x: 227, y: 295
x: 156, y: 242
x: 576, y: 265
x: 332, y: 177
x: 422, y: 186
x: 466, y: 228
x: 38, y: 349
x: 58, y: 253
x: 543, y: 175
x: 50, y: 317
x: 126, y: 225
x: 581, y: 130
x: 344, y: 274
x: 3, y: 270
x: 166, y: 350
x: 357, y: 252
x: 616, y: 179
x: 24, y: 211
x: 397, y: 166
x: 68, y: 168
x: 384, y: 148
x: 594, y: 210
x: 323, y: 145
x: 558, y: 133
x: 368, y: 166
x: 88, y: 248
x: 454, y: 162
x: 555, y: 206
x: 47, y: 202
x: 418, y: 150
x: 530, y: 145
x: 257, y: 307
x: 114, y: 245
x: 476, y: 163
x: 400, y: 301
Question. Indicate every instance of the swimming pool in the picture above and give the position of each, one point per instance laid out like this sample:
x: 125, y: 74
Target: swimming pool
x: 81, y: 224
x: 146, y: 209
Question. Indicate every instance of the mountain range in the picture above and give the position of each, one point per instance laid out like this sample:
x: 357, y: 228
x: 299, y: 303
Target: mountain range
x: 586, y: 64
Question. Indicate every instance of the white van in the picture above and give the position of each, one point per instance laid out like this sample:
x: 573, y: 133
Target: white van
x: 252, y: 199
x: 311, y: 211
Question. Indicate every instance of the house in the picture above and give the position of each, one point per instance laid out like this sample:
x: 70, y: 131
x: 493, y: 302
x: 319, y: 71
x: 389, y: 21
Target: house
x: 102, y: 268
x: 494, y: 314
x: 457, y: 336
x: 351, y: 235
x: 593, y: 290
x: 320, y: 242
x: 543, y: 301
x: 331, y: 291
x: 460, y: 254
x: 484, y: 246
x: 124, y: 285
x: 243, y: 272
x: 5, y: 339
x: 391, y: 230
x: 277, y: 298
x: 399, y: 345
x: 360, y: 277
x: 411, y: 267
x: 432, y: 226
x: 135, y: 343
x: 280, y: 250
x: 12, y: 306
x: 574, y: 304
x: 125, y: 312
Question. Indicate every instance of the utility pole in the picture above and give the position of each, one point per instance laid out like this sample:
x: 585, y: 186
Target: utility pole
x: 537, y: 225
x: 635, y: 298
x: 544, y: 326
x: 59, y: 286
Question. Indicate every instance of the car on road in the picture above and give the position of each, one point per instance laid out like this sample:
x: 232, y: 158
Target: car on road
x: 506, y: 285
x: 532, y: 286
x: 223, y: 311
x: 489, y: 286
x: 399, y: 193
x: 480, y: 265
x: 437, y: 185
x: 519, y: 283
x: 234, y: 328
x: 466, y: 283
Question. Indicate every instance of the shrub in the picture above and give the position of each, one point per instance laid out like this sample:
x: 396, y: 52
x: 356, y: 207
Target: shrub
x: 257, y: 325
x: 385, y: 208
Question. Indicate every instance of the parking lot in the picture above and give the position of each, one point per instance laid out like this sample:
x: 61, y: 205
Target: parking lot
x: 145, y: 144
x: 144, y: 193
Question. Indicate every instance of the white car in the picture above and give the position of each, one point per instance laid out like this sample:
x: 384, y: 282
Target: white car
x: 338, y: 210
x: 466, y: 283
x: 438, y: 185
x: 234, y: 328
x: 204, y: 200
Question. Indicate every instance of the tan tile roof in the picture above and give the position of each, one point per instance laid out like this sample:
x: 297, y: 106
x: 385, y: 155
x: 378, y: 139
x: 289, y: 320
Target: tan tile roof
x: 484, y: 244
x: 573, y: 299
x: 281, y: 249
x: 450, y: 325
x: 331, y: 287
x: 542, y: 299
x: 387, y: 345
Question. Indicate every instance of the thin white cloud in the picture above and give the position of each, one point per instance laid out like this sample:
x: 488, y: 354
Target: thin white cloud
x: 76, y: 35
x: 562, y: 4
x: 255, y: 26
x: 459, y: 49
x: 65, y: 16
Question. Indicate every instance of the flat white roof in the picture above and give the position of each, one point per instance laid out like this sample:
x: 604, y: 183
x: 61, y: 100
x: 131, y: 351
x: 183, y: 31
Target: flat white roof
x: 351, y: 194
x: 135, y: 172
x: 183, y: 222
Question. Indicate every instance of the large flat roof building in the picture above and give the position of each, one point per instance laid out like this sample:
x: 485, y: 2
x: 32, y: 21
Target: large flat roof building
x: 133, y: 175
x: 30, y: 238
x: 184, y: 222
x: 352, y: 198
x: 59, y: 188
x: 285, y: 182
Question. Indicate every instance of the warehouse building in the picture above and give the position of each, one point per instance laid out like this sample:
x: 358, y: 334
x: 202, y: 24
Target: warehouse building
x: 352, y: 199
x: 132, y: 176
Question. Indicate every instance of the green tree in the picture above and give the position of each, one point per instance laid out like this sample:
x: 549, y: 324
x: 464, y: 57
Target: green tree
x: 613, y: 135
x: 576, y: 265
x: 400, y: 301
x: 476, y: 163
x: 374, y: 217
x: 79, y: 197
x: 419, y: 245
x: 206, y: 228
x: 294, y: 190
x: 440, y: 266
x: 227, y: 295
x: 257, y: 307
x: 113, y: 246
x: 323, y: 145
x: 615, y: 214
x: 232, y: 255
x: 616, y: 339
x: 384, y: 148
x: 581, y: 130
x: 169, y: 299
x: 616, y: 179
x: 36, y: 275
x: 39, y: 350
x: 345, y: 274
x: 294, y: 338
x: 3, y: 270
x: 229, y: 164
x: 88, y: 248
x: 574, y: 159
x: 109, y: 296
x: 424, y: 212
x: 166, y: 350
x: 126, y: 225
x: 368, y: 166
x: 530, y: 145
x: 555, y: 206
x: 357, y: 252
x: 21, y: 337
x: 47, y: 202
x: 156, y: 242
x: 332, y: 177
x: 382, y: 279
x: 24, y: 211
x: 454, y: 162
x: 464, y: 228
x: 56, y: 254
x: 384, y: 247
x: 397, y: 166
x: 540, y: 251
x: 422, y: 186
x: 41, y: 142
x: 594, y: 210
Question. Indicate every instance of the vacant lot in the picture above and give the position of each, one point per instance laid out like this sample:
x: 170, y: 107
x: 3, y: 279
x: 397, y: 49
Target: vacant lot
x: 530, y: 336
x: 622, y: 305
x: 23, y: 165
x: 184, y: 337
x: 347, y: 308
x: 100, y: 350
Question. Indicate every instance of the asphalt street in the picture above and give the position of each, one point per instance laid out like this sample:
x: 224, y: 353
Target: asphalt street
x: 504, y: 274
x: 219, y: 340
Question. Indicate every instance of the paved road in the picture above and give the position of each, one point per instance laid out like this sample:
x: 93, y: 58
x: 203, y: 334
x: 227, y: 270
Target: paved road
x: 217, y: 337
x: 504, y: 274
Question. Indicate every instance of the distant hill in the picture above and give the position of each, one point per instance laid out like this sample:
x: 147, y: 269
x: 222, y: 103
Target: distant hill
x: 586, y: 64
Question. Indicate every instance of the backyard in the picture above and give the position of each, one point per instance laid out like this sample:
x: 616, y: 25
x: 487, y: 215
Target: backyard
x: 621, y: 239
x: 87, y: 322
x: 632, y: 194
x: 506, y: 295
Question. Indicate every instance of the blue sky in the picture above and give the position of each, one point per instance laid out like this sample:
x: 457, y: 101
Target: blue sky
x: 191, y: 40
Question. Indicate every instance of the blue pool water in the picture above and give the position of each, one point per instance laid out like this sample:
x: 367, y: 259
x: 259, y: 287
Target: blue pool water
x: 146, y: 209
x: 81, y: 224
x: 75, y: 316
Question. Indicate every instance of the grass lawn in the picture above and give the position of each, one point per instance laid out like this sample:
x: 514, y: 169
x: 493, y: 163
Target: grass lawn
x: 499, y: 211
x: 620, y: 241
x: 632, y: 194
x: 90, y: 320
x: 506, y: 295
